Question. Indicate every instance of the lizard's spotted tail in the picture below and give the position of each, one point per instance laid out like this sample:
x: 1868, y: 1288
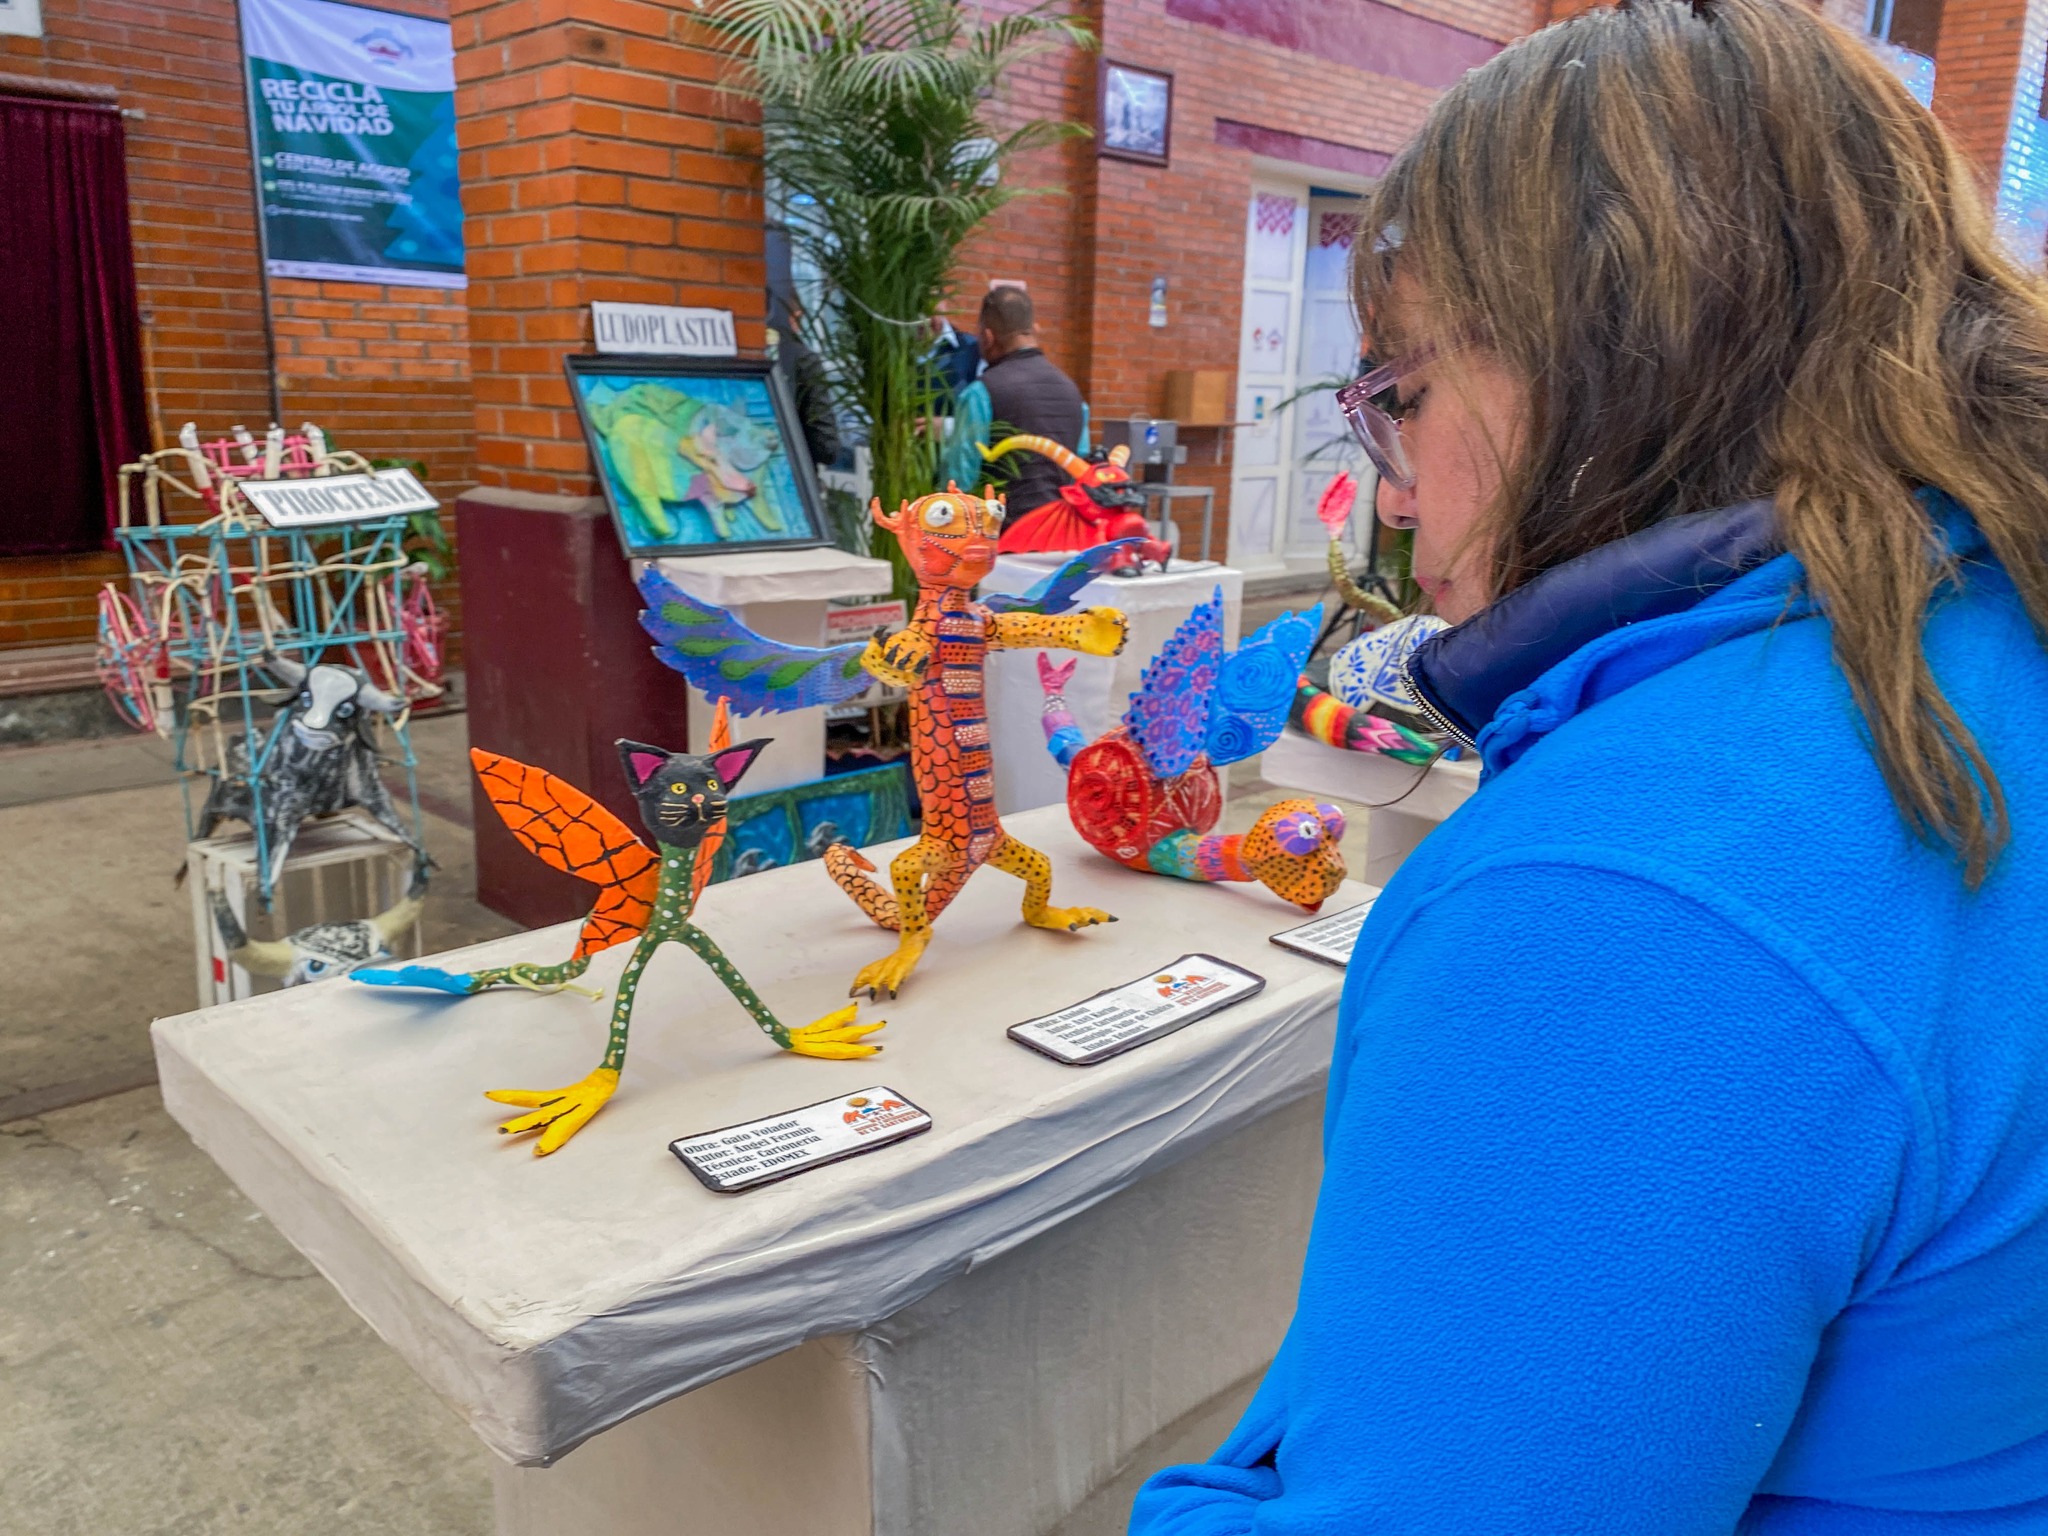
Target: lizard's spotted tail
x: 850, y: 869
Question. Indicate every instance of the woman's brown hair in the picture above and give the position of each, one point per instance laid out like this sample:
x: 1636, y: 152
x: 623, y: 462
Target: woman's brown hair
x: 1733, y: 257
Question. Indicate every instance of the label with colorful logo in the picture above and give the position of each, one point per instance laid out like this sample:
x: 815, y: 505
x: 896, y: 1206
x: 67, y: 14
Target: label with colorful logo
x: 1138, y: 1012
x: 762, y: 1151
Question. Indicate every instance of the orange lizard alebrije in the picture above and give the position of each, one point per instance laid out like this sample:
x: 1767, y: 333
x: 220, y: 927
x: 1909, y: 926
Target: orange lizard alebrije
x: 949, y: 539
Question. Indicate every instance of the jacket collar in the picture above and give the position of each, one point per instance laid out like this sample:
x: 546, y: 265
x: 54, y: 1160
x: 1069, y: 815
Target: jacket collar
x: 1465, y: 674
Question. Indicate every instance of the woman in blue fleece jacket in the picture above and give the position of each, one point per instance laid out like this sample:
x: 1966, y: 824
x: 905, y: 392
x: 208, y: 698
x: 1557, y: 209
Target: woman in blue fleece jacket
x: 1687, y: 1141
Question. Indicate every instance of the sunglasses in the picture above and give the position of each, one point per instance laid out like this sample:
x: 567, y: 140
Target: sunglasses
x: 1376, y: 430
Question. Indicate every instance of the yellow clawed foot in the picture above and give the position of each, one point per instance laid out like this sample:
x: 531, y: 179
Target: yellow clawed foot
x: 1103, y: 632
x: 886, y: 976
x: 558, y: 1113
x: 1068, y: 919
x: 835, y: 1037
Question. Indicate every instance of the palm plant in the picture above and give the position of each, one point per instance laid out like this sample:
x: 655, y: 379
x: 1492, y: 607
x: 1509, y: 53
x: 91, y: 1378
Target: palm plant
x: 877, y: 134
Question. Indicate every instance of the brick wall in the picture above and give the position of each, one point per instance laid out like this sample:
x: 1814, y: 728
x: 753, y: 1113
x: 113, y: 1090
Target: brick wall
x: 1974, y: 69
x: 383, y: 369
x: 599, y: 161
x: 1090, y: 255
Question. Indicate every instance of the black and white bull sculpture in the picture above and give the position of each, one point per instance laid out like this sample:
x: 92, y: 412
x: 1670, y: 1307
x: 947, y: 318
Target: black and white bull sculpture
x: 322, y: 759
x: 321, y: 950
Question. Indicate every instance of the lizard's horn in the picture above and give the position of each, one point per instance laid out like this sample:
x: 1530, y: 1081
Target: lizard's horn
x: 1059, y: 453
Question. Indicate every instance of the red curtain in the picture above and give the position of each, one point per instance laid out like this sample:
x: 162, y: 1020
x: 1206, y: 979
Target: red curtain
x: 72, y: 408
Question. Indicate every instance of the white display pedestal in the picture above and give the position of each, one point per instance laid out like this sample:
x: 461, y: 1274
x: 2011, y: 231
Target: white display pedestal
x: 976, y: 1329
x: 1296, y: 761
x: 341, y: 868
x: 781, y: 594
x: 1026, y: 775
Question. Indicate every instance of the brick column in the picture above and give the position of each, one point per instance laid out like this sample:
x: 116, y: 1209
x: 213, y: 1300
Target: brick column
x: 599, y: 161
x: 1974, y: 71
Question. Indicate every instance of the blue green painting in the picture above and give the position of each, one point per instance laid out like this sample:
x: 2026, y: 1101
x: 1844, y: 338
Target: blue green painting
x: 694, y: 461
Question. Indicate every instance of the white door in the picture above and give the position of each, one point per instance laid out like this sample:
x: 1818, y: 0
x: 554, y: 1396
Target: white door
x: 1321, y: 443
x: 1276, y: 227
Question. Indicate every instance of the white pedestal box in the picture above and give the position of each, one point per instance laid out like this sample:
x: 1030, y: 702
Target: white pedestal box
x: 993, y: 1327
x: 1156, y: 603
x: 341, y: 868
x: 781, y: 594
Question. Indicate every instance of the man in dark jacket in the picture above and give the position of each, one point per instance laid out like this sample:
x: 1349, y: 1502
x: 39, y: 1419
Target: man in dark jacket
x: 1027, y: 393
x: 805, y: 374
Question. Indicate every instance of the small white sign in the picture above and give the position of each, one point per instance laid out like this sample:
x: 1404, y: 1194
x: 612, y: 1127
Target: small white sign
x: 845, y: 625
x: 762, y: 1151
x: 663, y: 330
x: 325, y: 499
x: 1329, y: 938
x: 21, y: 18
x: 1139, y: 1012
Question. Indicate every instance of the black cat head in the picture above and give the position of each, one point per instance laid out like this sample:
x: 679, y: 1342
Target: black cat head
x: 682, y: 797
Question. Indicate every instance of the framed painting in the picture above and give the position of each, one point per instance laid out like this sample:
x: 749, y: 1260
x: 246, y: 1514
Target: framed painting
x: 1135, y: 114
x: 697, y: 455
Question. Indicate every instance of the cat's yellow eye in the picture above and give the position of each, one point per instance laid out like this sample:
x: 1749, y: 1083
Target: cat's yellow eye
x: 677, y: 789
x: 711, y: 786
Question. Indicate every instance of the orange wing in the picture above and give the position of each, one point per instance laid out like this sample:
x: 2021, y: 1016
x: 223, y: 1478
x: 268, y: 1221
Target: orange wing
x: 563, y: 827
x: 707, y: 851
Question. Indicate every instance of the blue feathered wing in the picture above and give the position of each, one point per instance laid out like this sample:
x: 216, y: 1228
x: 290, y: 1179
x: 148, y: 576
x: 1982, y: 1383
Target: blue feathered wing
x: 1195, y: 701
x: 720, y: 655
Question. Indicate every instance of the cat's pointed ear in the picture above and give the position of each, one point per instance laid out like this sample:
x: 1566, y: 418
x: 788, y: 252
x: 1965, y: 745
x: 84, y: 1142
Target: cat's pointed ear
x: 640, y: 761
x: 734, y: 761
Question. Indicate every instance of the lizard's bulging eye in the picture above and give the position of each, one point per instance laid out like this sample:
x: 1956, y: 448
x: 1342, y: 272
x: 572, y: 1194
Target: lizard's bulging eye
x: 940, y: 514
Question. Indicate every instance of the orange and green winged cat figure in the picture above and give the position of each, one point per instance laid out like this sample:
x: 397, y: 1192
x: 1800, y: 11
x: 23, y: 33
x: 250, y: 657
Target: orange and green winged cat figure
x: 645, y: 893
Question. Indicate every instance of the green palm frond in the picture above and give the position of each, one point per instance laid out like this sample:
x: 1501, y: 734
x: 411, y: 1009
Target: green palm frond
x: 877, y: 127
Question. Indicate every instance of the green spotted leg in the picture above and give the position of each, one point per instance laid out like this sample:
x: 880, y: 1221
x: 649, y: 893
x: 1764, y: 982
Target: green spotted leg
x: 735, y: 983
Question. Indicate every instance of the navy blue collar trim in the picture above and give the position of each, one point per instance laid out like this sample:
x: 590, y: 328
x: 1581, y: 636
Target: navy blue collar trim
x: 1464, y: 674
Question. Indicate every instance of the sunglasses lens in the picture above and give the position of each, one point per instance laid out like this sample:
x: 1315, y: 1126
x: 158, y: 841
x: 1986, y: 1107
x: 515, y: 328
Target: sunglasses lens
x: 1381, y: 439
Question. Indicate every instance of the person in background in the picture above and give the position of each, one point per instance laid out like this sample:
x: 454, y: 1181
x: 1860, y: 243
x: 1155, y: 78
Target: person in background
x: 955, y: 360
x: 804, y: 372
x: 1686, y: 1141
x: 1027, y: 393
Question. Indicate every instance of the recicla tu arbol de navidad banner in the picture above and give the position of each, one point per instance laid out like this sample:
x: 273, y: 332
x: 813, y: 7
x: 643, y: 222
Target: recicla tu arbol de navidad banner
x: 354, y: 114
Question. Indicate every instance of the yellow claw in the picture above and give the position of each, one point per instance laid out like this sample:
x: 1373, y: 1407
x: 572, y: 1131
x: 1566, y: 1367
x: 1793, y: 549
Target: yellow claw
x: 1103, y: 632
x: 558, y: 1113
x: 835, y: 1037
x: 1069, y: 918
x: 886, y: 976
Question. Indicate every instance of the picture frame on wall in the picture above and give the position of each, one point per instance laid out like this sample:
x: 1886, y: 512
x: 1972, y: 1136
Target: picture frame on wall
x: 1134, y: 117
x: 697, y: 455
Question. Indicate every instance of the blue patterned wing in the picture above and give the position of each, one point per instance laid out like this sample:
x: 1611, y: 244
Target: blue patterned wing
x: 1255, y: 686
x: 720, y: 655
x: 1168, y: 716
x: 1055, y: 594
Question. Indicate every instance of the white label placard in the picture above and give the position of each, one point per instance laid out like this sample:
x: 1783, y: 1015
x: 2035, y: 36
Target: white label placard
x: 844, y: 625
x: 663, y: 330
x: 1138, y: 1012
x: 1329, y: 939
x: 337, y: 498
x: 762, y: 1151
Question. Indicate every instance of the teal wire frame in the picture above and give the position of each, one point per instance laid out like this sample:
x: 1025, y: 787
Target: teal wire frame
x: 223, y: 593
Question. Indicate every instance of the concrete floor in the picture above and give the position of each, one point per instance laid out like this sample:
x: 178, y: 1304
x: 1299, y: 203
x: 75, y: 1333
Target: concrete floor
x: 171, y: 1365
